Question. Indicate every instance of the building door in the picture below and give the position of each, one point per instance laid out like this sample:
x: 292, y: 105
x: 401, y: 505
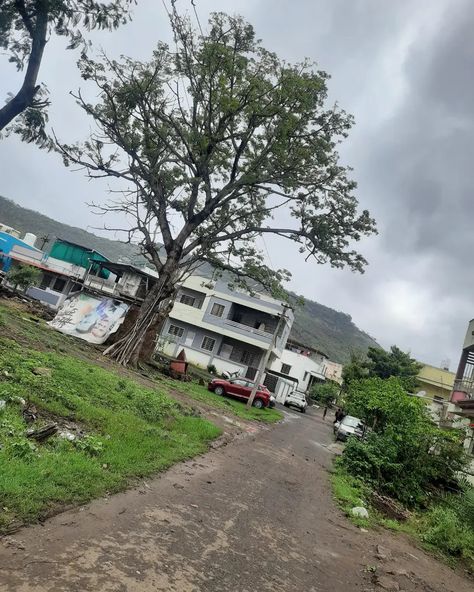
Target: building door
x: 190, y: 335
x: 271, y: 382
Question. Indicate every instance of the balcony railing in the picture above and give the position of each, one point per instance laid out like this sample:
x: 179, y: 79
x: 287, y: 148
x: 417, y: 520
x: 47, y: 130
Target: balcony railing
x: 465, y: 386
x: 111, y: 288
x: 249, y: 329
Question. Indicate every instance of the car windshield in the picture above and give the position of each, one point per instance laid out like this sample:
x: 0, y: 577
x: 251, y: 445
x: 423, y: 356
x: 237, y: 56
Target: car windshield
x: 350, y: 421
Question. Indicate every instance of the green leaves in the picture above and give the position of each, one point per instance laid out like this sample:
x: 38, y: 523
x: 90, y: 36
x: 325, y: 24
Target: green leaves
x: 218, y: 141
x: 403, y: 454
x: 23, y: 276
x: 25, y: 26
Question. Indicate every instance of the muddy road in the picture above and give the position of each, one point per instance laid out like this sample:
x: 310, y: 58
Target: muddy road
x: 254, y: 515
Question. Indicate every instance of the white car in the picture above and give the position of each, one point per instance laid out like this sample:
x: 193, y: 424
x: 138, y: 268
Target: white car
x: 348, y: 426
x: 296, y: 399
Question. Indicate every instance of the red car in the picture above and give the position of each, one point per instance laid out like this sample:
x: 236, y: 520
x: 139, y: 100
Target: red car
x: 241, y: 388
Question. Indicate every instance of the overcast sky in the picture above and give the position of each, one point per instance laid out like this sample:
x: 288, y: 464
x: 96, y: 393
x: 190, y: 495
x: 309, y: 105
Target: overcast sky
x: 405, y: 69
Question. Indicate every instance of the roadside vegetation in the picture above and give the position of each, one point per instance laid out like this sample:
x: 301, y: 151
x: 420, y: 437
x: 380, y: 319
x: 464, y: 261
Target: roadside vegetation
x: 406, y: 471
x: 111, y: 429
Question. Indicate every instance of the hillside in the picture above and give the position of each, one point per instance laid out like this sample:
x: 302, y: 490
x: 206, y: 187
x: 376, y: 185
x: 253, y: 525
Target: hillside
x: 316, y: 325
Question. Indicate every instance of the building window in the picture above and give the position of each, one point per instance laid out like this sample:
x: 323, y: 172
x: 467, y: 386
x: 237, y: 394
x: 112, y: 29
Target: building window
x: 176, y: 331
x: 217, y: 309
x: 189, y: 300
x: 305, y: 376
x: 247, y: 358
x: 285, y: 368
x: 208, y: 343
x: 59, y: 285
x: 45, y: 281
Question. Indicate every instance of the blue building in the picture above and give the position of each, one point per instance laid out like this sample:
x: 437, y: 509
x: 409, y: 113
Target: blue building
x: 7, y: 243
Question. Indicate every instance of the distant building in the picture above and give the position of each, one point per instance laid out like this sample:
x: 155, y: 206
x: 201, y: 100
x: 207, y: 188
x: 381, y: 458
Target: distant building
x: 10, y: 245
x: 459, y: 412
x: 226, y: 328
x: 334, y: 371
x: 298, y: 368
x: 436, y: 383
x: 9, y: 230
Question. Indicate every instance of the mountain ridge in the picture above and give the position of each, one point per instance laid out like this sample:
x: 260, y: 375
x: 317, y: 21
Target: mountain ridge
x: 316, y: 325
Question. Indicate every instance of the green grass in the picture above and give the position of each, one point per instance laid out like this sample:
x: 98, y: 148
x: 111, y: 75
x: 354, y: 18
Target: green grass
x: 235, y: 407
x: 445, y: 528
x: 22, y: 329
x: 132, y: 431
x: 349, y: 493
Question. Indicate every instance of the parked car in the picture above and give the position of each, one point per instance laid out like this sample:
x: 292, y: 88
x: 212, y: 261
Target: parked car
x: 241, y: 389
x: 348, y: 426
x: 296, y: 399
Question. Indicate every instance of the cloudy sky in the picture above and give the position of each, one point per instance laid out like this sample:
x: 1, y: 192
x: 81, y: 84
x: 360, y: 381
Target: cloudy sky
x: 405, y: 70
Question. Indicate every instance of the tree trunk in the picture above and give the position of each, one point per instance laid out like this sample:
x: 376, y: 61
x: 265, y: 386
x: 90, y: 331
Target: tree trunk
x: 138, y: 344
x: 26, y: 95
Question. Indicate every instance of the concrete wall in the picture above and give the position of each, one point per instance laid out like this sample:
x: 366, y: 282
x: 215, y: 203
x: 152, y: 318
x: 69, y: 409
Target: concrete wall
x: 224, y: 358
x: 302, y: 367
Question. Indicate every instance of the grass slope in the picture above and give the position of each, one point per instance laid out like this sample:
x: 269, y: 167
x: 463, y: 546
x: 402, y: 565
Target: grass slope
x: 315, y: 325
x: 129, y: 430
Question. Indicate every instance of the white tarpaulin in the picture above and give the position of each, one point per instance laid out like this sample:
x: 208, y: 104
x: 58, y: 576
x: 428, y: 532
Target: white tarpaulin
x: 89, y: 318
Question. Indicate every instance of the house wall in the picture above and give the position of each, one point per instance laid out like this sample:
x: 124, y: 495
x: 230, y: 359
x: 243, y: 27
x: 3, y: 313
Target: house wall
x: 302, y: 367
x: 333, y: 371
x: 191, y: 341
x: 47, y: 294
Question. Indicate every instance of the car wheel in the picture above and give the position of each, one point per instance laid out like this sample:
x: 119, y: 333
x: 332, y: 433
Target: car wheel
x: 258, y: 403
x: 219, y: 390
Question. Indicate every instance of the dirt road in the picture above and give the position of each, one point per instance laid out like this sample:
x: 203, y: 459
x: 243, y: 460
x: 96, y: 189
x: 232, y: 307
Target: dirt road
x: 252, y: 516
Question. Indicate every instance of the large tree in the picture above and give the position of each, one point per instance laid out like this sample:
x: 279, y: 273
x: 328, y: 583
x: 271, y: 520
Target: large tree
x: 25, y: 27
x: 380, y: 363
x: 216, y: 142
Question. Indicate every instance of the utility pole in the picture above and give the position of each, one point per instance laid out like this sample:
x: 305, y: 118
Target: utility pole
x: 266, y: 357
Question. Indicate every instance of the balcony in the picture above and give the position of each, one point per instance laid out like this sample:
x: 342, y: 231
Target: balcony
x: 463, y: 390
x: 248, y: 329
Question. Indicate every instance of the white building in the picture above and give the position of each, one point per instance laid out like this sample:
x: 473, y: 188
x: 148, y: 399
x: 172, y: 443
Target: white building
x: 226, y: 328
x: 298, y: 368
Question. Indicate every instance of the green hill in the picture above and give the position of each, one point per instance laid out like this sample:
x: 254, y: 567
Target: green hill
x: 315, y: 325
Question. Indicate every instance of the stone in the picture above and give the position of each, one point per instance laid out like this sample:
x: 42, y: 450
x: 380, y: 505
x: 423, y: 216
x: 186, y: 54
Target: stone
x: 387, y: 584
x: 360, y: 512
x: 40, y: 371
x: 382, y: 552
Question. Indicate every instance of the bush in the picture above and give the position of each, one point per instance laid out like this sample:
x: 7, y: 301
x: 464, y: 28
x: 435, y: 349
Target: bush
x: 325, y: 393
x: 212, y: 369
x: 447, y: 532
x: 405, y: 455
x: 24, y: 276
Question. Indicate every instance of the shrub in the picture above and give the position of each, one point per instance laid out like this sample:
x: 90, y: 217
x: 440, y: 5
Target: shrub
x: 447, y: 532
x: 325, y: 393
x: 405, y: 454
x: 24, y: 276
x: 212, y: 369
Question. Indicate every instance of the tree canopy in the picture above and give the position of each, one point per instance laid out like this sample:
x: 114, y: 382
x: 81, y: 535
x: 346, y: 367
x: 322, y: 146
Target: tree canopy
x: 25, y: 26
x: 325, y: 392
x: 216, y: 142
x: 380, y: 363
x: 403, y: 454
x: 23, y: 276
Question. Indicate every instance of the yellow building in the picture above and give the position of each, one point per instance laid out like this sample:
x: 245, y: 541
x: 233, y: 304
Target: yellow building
x: 437, y: 383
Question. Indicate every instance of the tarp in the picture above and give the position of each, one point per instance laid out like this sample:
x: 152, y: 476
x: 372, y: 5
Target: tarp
x: 89, y: 318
